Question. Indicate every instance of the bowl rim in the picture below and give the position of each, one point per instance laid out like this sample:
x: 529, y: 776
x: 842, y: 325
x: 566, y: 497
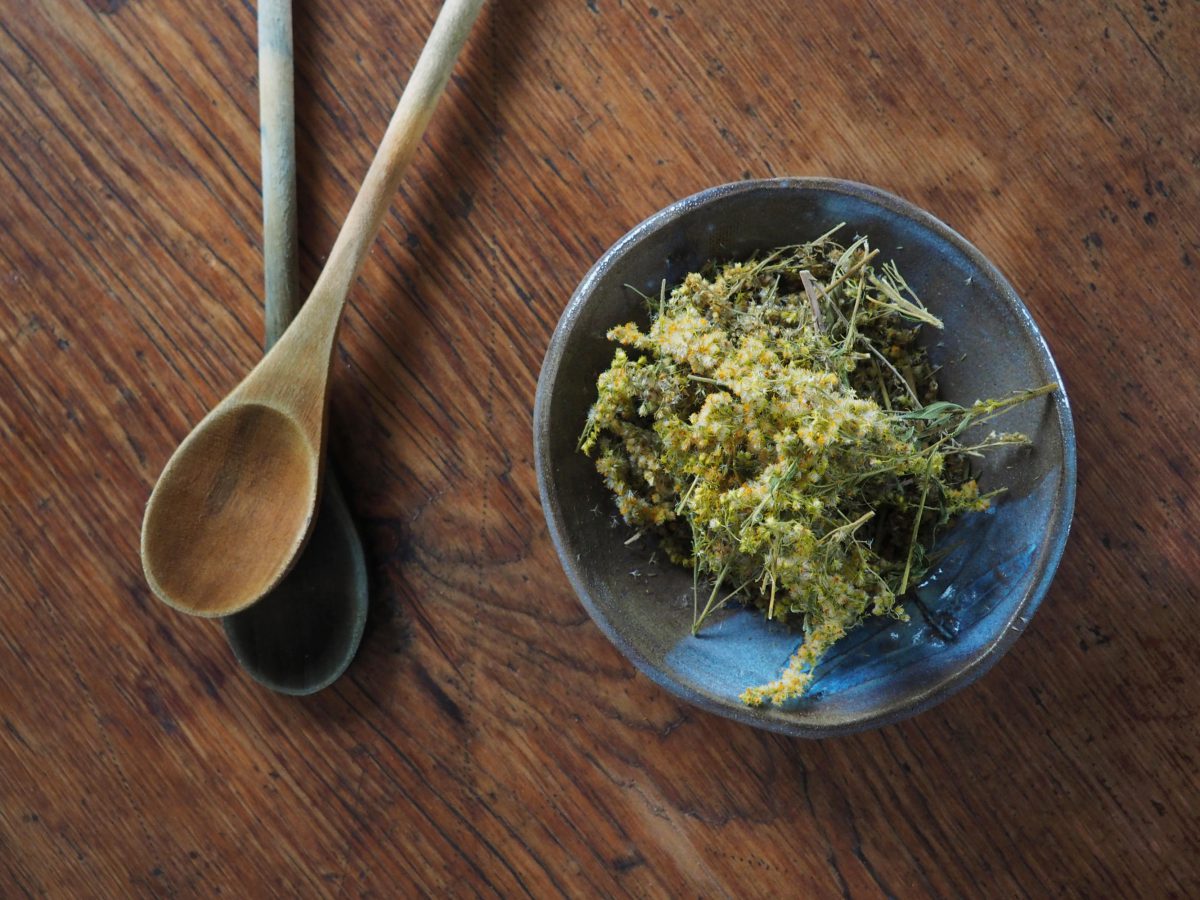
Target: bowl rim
x: 1053, y: 542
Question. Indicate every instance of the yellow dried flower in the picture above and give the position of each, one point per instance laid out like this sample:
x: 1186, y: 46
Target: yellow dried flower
x: 787, y: 448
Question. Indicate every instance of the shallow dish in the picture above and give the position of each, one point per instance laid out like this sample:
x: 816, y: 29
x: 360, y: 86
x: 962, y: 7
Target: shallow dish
x: 997, y: 565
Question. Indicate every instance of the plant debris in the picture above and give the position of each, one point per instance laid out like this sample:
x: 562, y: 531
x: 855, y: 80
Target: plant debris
x: 777, y: 427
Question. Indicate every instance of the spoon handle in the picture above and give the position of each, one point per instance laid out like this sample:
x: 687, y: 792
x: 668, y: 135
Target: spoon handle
x: 277, y: 114
x: 399, y: 143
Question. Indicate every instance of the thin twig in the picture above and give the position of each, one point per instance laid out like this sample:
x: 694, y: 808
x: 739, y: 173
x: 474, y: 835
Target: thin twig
x: 810, y: 288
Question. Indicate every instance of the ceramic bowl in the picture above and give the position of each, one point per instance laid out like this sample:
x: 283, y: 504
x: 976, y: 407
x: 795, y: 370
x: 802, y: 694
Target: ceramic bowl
x: 996, y: 566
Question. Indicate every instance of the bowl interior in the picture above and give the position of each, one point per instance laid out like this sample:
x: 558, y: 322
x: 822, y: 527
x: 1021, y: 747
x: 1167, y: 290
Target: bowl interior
x: 996, y: 564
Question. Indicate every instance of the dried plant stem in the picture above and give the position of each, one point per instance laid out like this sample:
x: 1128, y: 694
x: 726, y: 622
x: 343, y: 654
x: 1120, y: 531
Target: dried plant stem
x: 771, y: 410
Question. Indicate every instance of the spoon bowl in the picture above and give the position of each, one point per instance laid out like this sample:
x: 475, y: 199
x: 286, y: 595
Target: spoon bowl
x: 303, y: 634
x: 213, y: 542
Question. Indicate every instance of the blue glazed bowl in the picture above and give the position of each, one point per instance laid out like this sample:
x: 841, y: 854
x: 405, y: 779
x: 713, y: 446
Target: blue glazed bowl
x: 996, y: 565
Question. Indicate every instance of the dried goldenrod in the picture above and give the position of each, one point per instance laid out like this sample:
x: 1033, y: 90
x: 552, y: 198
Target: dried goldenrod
x: 776, y: 427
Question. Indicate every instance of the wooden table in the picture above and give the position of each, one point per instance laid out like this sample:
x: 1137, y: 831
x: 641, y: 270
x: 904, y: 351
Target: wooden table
x: 489, y: 739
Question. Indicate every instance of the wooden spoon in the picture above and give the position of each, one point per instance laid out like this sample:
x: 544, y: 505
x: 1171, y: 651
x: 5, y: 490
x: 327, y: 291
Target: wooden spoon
x: 304, y: 633
x: 236, y: 502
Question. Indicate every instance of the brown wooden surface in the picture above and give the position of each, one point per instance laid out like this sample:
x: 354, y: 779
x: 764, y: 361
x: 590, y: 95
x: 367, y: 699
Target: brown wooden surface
x: 489, y: 739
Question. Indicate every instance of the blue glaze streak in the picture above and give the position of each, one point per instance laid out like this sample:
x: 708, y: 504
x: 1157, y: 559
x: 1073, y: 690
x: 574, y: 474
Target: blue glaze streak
x: 968, y: 599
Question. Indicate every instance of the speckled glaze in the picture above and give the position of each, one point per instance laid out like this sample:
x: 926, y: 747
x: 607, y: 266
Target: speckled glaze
x: 996, y: 565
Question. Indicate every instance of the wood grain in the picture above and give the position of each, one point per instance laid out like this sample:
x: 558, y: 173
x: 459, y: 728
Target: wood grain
x: 489, y: 740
